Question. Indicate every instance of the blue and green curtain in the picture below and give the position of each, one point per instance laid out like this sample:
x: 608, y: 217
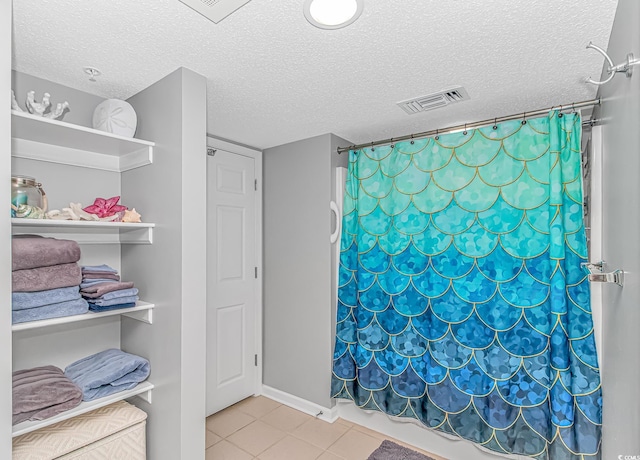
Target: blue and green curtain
x: 462, y: 301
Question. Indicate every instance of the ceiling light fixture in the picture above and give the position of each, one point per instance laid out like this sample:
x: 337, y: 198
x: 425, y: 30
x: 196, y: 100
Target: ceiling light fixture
x: 332, y: 14
x: 92, y: 72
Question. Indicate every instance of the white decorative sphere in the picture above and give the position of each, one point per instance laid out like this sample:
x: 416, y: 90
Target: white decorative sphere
x: 115, y: 116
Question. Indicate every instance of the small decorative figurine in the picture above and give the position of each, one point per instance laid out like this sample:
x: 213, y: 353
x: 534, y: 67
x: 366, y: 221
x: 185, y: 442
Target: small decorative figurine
x: 43, y: 108
x: 14, y: 103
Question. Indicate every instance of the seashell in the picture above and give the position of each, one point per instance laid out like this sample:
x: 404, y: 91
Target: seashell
x: 131, y: 216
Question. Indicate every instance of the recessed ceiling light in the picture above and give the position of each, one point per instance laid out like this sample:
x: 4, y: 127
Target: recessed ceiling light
x: 332, y: 14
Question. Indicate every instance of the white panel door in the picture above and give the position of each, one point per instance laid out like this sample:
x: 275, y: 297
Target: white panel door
x: 231, y: 280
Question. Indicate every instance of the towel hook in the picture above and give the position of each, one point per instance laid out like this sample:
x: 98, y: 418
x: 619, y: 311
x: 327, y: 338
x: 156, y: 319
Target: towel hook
x: 626, y: 67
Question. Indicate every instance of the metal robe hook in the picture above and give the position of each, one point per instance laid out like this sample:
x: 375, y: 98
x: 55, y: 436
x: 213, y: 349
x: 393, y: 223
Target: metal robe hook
x: 626, y: 67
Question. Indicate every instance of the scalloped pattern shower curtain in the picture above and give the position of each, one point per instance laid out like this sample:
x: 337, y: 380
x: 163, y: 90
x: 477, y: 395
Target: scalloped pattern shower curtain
x: 462, y: 302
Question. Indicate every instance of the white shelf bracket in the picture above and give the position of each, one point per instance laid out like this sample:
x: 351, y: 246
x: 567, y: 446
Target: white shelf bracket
x: 146, y: 316
x: 146, y: 396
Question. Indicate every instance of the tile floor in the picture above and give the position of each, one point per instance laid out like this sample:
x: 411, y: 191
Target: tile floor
x: 262, y: 429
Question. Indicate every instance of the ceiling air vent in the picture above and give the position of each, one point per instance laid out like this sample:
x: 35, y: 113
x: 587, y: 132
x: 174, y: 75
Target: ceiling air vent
x: 434, y: 100
x: 215, y: 10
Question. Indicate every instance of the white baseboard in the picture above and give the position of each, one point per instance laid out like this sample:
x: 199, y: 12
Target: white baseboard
x: 295, y: 402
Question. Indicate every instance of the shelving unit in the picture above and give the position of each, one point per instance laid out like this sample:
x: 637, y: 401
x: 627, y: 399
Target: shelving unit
x: 44, y: 139
x: 143, y: 311
x: 142, y: 390
x: 53, y: 141
x: 87, y: 232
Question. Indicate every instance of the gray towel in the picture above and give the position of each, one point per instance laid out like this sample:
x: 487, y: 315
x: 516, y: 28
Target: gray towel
x: 105, y: 275
x: 42, y: 392
x: 99, y: 290
x: 31, y: 251
x: 22, y: 300
x: 98, y: 269
x: 45, y: 278
x: 56, y: 310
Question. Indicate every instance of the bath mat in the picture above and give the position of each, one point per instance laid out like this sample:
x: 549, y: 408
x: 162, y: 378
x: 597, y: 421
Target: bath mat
x: 391, y: 451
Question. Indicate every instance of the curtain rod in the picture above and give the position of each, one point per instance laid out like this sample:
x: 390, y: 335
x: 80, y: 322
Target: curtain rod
x: 477, y: 124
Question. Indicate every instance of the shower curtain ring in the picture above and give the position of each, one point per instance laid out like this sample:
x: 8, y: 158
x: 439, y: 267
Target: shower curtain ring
x: 392, y: 144
x: 372, y: 149
x: 524, y: 118
x: 464, y: 133
x: 437, y: 134
x: 412, y: 142
x: 560, y: 115
x: 495, y: 123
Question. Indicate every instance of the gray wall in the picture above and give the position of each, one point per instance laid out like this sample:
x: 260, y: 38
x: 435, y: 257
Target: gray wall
x: 299, y: 317
x: 81, y: 104
x: 5, y: 231
x: 621, y: 242
x: 172, y: 271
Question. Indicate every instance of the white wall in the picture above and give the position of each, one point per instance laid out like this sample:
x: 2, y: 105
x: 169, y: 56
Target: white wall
x: 299, y: 318
x: 172, y: 271
x: 5, y: 230
x: 620, y: 113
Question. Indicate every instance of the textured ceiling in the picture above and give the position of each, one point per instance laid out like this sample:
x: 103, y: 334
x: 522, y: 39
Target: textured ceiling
x: 273, y: 78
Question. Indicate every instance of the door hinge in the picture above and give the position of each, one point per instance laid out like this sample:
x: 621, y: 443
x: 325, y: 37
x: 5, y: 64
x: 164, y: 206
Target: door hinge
x: 256, y: 272
x: 211, y: 152
x: 255, y: 360
x: 255, y: 185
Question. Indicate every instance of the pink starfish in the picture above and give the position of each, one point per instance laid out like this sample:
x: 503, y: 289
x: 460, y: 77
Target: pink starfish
x: 105, y: 208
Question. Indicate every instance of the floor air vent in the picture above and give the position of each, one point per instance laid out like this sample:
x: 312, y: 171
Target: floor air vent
x: 434, y: 100
x: 215, y: 10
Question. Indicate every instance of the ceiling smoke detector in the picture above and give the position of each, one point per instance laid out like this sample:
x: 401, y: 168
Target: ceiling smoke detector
x: 215, y: 10
x: 434, y: 100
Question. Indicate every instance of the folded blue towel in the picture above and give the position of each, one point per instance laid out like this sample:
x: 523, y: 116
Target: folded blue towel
x: 107, y: 372
x: 22, y: 300
x: 116, y: 301
x: 98, y: 268
x: 56, y: 310
x: 119, y: 306
x: 116, y: 294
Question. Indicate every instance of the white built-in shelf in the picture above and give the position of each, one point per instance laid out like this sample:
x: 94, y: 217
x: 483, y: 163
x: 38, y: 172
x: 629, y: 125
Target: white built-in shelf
x: 87, y: 232
x: 142, y: 390
x: 44, y: 139
x: 143, y: 311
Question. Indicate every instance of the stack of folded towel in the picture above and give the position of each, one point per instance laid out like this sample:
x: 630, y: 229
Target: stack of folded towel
x: 107, y: 372
x: 102, y: 288
x: 45, y: 278
x: 42, y: 392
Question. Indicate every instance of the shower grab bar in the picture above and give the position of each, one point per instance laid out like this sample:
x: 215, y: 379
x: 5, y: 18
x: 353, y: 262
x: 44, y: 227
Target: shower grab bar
x: 597, y: 275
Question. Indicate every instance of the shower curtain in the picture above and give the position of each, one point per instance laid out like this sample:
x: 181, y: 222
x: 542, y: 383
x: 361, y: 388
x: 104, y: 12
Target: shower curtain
x: 462, y: 301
